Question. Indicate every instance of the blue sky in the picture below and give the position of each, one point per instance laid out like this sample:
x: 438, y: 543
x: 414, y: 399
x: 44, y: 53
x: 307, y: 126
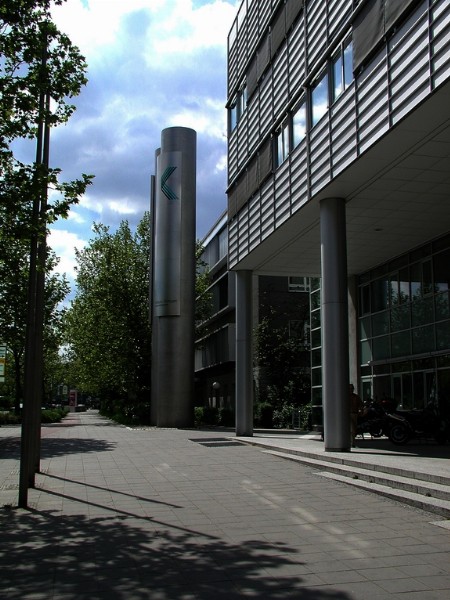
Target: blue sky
x: 152, y: 64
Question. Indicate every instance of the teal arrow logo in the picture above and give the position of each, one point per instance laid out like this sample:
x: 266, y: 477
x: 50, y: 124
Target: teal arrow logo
x: 165, y: 188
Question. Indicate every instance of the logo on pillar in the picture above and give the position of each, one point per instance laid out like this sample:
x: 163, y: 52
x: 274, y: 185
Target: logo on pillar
x: 168, y: 193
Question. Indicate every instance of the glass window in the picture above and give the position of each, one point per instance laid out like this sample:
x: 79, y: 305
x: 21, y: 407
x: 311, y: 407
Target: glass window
x: 241, y: 102
x: 423, y: 339
x: 394, y: 289
x: 380, y: 348
x: 441, y: 267
x: 364, y: 328
x: 316, y: 357
x: 427, y: 278
x: 441, y: 305
x: 299, y: 125
x: 379, y: 294
x: 338, y: 83
x: 403, y: 283
x: 380, y: 323
x: 315, y: 300
x: 316, y: 376
x: 342, y: 68
x: 366, y: 353
x: 422, y: 312
x: 315, y: 283
x: 315, y: 319
x: 400, y: 318
x: 415, y: 281
x: 443, y: 335
x: 282, y: 141
x: 233, y: 115
x: 348, y: 63
x: 316, y: 338
x: 298, y: 284
x: 400, y: 344
x: 365, y: 299
x: 319, y: 99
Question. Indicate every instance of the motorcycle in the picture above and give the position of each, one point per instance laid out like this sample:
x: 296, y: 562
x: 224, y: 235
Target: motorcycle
x: 373, y: 420
x: 427, y: 423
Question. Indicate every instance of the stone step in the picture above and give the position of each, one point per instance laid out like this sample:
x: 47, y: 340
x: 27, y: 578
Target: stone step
x: 432, y: 497
x: 350, y: 460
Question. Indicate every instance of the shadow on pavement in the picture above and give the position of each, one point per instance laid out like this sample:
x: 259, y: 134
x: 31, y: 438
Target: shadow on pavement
x: 51, y: 447
x: 118, y: 558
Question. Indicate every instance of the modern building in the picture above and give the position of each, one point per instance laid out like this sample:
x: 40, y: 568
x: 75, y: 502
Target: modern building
x: 339, y: 170
x: 284, y: 301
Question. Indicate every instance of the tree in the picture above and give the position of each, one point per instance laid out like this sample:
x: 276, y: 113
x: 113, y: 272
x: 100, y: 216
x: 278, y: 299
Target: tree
x: 13, y: 317
x: 108, y: 328
x: 203, y: 298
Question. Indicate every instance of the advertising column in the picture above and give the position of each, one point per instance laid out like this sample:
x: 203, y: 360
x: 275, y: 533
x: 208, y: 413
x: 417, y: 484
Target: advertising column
x: 174, y: 279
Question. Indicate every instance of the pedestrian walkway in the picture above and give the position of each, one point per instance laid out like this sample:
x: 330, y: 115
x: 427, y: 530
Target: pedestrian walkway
x: 164, y: 514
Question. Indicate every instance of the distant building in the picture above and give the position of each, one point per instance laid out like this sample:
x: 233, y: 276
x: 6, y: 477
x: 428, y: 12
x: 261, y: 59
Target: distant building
x: 276, y: 298
x: 339, y: 170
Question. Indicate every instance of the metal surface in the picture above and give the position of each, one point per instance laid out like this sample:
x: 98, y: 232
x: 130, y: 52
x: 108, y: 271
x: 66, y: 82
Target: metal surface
x: 174, y: 280
x: 335, y: 344
x: 244, y: 354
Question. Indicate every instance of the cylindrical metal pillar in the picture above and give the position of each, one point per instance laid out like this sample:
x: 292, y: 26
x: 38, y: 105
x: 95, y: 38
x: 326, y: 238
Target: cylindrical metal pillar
x: 174, y: 278
x: 335, y: 347
x: 244, y: 354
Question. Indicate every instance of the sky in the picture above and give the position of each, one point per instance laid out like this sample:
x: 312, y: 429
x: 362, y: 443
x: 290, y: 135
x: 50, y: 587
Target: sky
x: 152, y: 64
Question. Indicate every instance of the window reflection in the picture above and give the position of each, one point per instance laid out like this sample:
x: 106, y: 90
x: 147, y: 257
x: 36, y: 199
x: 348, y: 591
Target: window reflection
x: 319, y: 98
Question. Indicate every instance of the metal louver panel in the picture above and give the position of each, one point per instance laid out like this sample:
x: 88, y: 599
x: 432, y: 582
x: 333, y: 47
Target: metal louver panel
x: 293, y: 7
x: 394, y: 10
x: 252, y: 177
x: 241, y: 191
x: 252, y: 77
x: 265, y: 161
x: 263, y: 55
x: 278, y: 30
x: 232, y: 203
x: 368, y: 29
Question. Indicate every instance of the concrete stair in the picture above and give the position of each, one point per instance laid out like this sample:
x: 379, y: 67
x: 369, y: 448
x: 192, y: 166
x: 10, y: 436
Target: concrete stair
x: 421, y: 490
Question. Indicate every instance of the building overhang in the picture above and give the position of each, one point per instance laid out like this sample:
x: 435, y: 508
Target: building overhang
x: 397, y: 197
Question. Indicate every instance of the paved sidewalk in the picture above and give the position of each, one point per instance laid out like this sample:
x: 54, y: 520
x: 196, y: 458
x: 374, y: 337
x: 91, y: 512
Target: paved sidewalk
x: 180, y: 515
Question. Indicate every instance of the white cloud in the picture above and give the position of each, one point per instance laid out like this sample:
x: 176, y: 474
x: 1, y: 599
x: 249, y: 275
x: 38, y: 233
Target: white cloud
x: 64, y: 242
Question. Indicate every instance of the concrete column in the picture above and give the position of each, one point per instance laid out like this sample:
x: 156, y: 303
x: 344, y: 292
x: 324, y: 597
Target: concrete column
x: 244, y: 354
x: 353, y: 331
x: 174, y: 279
x: 335, y: 346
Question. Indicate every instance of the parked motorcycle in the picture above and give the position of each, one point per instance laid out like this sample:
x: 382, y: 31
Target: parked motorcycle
x: 373, y: 421
x: 427, y: 423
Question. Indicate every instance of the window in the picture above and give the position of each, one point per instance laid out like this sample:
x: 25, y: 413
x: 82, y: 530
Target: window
x: 342, y: 68
x: 299, y: 284
x: 319, y: 99
x: 232, y: 111
x: 223, y: 243
x: 298, y: 125
x: 282, y: 144
x: 237, y: 107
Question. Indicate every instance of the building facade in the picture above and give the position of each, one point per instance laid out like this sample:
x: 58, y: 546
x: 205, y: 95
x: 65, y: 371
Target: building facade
x: 339, y: 170
x: 282, y: 301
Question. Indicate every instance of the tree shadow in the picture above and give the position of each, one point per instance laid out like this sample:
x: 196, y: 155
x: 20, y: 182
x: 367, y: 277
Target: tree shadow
x: 123, y: 557
x: 55, y: 447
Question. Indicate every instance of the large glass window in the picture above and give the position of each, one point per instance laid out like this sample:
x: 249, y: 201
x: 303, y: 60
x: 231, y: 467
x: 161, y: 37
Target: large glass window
x: 232, y: 112
x: 298, y: 125
x: 282, y: 143
x: 319, y: 99
x: 342, y: 68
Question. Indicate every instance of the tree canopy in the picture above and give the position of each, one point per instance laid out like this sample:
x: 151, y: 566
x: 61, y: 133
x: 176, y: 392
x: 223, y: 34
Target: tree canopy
x: 108, y: 328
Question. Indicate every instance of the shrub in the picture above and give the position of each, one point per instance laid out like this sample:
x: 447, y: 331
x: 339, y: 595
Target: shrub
x: 263, y: 414
x: 226, y: 417
x: 206, y: 415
